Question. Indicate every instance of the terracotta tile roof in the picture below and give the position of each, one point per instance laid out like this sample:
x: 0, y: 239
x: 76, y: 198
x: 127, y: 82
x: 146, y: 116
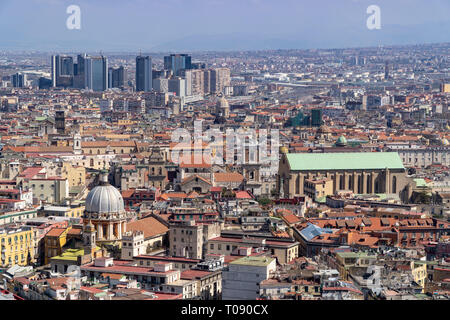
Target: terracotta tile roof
x: 115, y: 276
x: 55, y: 232
x: 150, y: 226
x: 192, y: 195
x: 57, y: 282
x: 91, y: 290
x: 291, y: 219
x: 29, y: 173
x: 171, y: 195
x: 228, y: 177
x: 204, y: 162
x: 127, y: 193
x: 51, y: 149
x: 243, y: 195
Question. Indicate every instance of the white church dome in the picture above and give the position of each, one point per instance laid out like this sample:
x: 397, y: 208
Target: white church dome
x: 223, y: 103
x: 104, y: 198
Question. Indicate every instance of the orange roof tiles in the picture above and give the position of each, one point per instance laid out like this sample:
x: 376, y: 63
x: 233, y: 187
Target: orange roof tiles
x: 150, y: 226
x: 291, y: 219
x: 55, y: 232
x: 228, y: 177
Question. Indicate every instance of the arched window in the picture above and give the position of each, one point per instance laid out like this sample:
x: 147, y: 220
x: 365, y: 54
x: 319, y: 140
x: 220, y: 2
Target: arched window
x: 369, y: 184
x: 341, y: 183
x: 394, y: 184
x: 350, y: 182
x: 359, y: 184
x: 297, y: 185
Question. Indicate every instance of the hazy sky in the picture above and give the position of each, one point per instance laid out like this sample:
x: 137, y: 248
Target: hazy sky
x: 158, y: 25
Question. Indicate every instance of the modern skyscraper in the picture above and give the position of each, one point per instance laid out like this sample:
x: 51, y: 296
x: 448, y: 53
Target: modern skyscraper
x: 117, y: 77
x: 44, y: 83
x: 110, y: 76
x: 79, y: 72
x: 144, y: 73
x: 18, y: 80
x: 96, y: 73
x: 177, y: 62
x: 62, y: 71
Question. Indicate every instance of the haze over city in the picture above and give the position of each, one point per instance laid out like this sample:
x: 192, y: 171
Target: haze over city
x: 199, y: 25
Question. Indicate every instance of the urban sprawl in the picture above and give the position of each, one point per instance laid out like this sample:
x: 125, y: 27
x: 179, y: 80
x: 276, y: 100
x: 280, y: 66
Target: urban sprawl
x: 269, y: 175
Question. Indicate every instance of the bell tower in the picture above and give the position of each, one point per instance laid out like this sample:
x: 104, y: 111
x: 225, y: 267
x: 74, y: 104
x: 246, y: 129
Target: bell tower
x: 89, y: 243
x: 77, y: 143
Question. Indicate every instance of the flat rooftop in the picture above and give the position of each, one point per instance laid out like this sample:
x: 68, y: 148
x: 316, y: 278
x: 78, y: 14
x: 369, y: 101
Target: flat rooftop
x: 253, y: 261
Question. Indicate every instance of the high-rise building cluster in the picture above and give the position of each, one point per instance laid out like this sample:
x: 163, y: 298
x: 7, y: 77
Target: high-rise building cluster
x: 90, y: 72
x: 178, y: 76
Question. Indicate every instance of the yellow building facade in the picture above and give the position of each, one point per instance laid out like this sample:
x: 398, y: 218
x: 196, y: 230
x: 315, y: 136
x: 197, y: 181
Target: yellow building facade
x: 76, y: 175
x: 54, y: 242
x: 419, y: 272
x: 17, y: 246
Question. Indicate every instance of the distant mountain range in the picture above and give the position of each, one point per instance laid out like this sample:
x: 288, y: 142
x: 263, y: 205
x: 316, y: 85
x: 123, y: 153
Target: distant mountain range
x: 303, y: 39
x: 309, y: 39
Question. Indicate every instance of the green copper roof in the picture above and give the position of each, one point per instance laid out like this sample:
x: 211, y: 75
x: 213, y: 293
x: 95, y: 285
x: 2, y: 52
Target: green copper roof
x: 344, y: 161
x: 420, y: 182
x: 341, y: 140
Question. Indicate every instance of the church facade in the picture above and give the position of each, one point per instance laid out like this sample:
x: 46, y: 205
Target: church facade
x: 357, y: 172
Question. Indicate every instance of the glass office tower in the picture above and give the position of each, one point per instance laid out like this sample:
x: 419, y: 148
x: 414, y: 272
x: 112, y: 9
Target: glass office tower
x: 177, y: 63
x: 62, y: 71
x: 144, y: 79
x: 96, y: 73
